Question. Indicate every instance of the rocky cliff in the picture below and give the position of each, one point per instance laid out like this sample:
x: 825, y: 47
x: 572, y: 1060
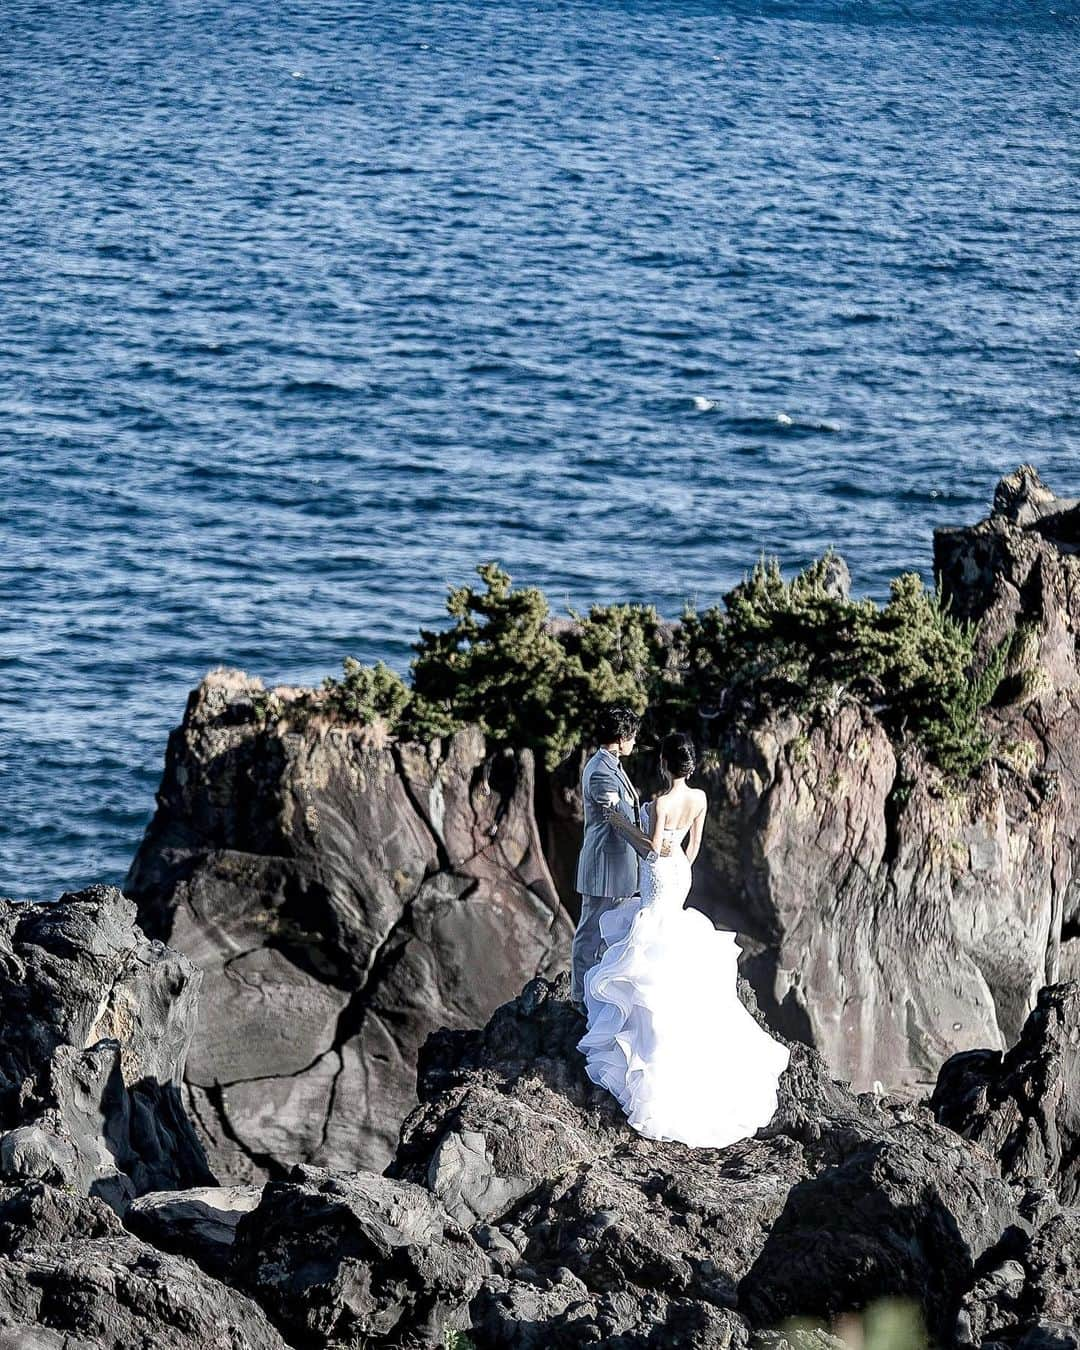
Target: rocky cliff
x: 96, y: 1024
x: 345, y: 892
x: 343, y: 897
x: 520, y: 1209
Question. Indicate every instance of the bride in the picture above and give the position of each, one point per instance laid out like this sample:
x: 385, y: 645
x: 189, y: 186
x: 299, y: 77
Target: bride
x: 667, y: 1034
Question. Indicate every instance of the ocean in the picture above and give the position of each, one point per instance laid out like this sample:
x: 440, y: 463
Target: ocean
x: 308, y: 309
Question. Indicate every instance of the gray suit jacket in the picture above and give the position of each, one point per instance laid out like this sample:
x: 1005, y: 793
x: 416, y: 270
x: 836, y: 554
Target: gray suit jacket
x: 607, y: 865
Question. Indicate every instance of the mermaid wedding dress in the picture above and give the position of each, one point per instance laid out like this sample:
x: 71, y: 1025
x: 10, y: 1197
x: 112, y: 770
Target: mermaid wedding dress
x: 667, y: 1035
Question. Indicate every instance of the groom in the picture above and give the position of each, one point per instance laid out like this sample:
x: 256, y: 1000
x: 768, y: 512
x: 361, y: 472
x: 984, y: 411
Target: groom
x: 608, y: 864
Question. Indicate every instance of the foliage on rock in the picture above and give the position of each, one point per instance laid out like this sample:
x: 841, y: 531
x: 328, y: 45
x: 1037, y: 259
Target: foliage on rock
x: 524, y: 677
x: 369, y: 693
x: 797, y: 644
x: 506, y: 666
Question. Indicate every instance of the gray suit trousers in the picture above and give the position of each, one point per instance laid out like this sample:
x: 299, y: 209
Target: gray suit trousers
x: 588, y: 945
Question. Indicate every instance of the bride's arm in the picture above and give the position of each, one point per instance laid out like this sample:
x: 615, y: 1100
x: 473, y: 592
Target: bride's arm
x: 638, y: 838
x: 697, y: 826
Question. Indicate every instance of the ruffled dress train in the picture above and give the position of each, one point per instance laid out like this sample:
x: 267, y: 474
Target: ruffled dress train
x: 667, y: 1035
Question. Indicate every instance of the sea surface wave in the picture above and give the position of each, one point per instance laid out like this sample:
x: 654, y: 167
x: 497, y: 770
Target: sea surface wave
x: 307, y: 309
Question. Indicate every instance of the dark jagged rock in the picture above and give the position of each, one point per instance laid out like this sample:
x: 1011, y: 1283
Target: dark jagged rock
x: 837, y: 578
x: 1030, y: 1294
x: 523, y: 1209
x: 480, y: 1148
x: 96, y: 1022
x: 1018, y: 574
x: 905, y: 1213
x: 356, y: 1258
x: 1024, y: 1106
x: 559, y: 1312
x: 1019, y: 565
x: 1050, y: 1293
x: 596, y: 1234
x: 593, y: 1232
x: 199, y: 1223
x: 71, y: 1277
x: 344, y: 897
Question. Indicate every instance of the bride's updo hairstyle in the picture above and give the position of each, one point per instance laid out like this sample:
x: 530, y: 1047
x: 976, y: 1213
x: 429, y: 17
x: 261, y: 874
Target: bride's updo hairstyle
x: 677, y: 753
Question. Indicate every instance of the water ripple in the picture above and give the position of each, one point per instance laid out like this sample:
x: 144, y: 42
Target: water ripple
x: 309, y: 309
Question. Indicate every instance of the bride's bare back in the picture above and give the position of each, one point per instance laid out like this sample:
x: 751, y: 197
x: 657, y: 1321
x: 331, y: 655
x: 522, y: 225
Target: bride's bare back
x: 677, y: 810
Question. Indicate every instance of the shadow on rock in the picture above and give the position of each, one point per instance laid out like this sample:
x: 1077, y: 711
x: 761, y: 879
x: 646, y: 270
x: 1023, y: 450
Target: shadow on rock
x: 97, y: 1023
x: 1024, y: 1106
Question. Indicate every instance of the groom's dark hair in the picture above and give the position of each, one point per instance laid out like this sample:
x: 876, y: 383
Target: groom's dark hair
x: 616, y: 723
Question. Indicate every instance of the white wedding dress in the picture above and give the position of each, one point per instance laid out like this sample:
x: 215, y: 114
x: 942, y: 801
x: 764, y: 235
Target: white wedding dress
x: 667, y: 1035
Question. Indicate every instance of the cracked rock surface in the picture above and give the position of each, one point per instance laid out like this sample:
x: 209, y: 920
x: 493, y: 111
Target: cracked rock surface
x: 343, y: 898
x: 356, y: 1259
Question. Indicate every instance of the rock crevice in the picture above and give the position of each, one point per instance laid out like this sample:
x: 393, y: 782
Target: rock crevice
x: 383, y: 891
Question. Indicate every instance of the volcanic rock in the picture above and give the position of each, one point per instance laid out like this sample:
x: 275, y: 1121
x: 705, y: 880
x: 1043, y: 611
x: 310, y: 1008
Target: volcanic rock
x: 200, y: 1222
x: 1024, y: 1106
x: 523, y: 1209
x: 96, y: 1022
x: 356, y: 1258
x: 344, y: 898
x: 597, y: 1234
x: 72, y: 1278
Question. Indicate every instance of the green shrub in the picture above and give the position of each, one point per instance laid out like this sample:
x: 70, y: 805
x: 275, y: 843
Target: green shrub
x: 796, y: 645
x: 367, y: 693
x: 457, y: 1340
x: 503, y: 665
x: 495, y: 665
x: 525, y: 679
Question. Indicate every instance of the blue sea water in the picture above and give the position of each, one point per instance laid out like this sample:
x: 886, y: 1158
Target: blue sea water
x: 307, y: 309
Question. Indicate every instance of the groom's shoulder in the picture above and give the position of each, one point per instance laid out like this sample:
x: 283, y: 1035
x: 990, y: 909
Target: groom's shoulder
x: 599, y: 760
